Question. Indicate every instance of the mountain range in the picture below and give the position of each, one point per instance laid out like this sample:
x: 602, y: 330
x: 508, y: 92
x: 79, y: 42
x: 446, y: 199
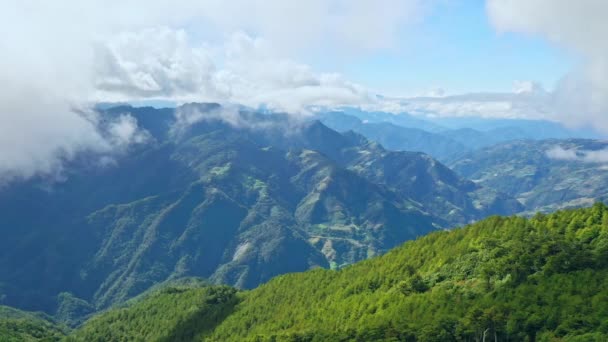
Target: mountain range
x: 537, y: 162
x: 232, y: 196
x: 446, y: 139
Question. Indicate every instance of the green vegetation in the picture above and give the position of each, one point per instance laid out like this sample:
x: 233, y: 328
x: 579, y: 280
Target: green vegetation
x: 171, y: 314
x: 20, y: 326
x: 516, y: 279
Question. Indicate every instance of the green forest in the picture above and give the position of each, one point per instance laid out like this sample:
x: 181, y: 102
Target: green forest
x: 500, y: 279
x: 19, y: 326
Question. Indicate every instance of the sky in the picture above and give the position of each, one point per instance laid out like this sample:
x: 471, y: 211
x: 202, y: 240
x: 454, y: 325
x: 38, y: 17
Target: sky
x: 532, y: 59
x: 455, y: 49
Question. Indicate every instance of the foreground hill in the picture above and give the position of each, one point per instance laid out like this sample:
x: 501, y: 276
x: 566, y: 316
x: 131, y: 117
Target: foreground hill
x: 539, y: 279
x: 230, y: 196
x: 544, y: 175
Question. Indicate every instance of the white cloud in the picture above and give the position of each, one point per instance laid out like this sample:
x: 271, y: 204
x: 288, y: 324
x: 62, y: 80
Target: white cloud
x: 354, y: 25
x: 580, y: 26
x: 528, y: 100
x: 153, y: 63
x: 163, y: 63
x: 41, y: 148
x: 560, y: 153
x: 256, y: 77
x: 57, y: 55
x: 124, y: 131
x: 584, y: 156
x: 529, y: 88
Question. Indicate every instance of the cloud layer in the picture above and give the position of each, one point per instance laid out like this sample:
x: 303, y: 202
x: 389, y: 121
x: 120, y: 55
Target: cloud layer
x: 61, y: 55
x: 528, y: 100
x: 162, y: 63
x: 579, y: 26
x: 583, y: 156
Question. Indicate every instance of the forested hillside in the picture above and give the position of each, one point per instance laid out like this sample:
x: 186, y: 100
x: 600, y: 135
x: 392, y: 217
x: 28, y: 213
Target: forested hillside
x: 516, y: 279
x: 20, y: 326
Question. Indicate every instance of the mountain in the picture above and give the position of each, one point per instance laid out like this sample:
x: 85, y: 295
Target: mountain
x: 542, y: 180
x: 475, y: 139
x: 500, y: 131
x: 401, y: 119
x: 513, y: 128
x: 396, y: 137
x: 539, y: 279
x: 446, y: 139
x: 234, y: 197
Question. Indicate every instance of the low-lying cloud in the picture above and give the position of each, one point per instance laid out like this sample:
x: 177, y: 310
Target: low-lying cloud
x: 528, y: 100
x: 575, y: 155
x: 44, y: 150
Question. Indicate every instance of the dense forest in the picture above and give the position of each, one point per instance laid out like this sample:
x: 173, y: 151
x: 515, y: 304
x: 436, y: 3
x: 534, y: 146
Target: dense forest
x: 19, y: 326
x: 501, y: 279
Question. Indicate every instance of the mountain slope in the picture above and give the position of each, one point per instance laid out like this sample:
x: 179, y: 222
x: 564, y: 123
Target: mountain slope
x: 174, y: 313
x: 502, y: 278
x: 412, y: 175
x: 526, y: 170
x: 434, y: 185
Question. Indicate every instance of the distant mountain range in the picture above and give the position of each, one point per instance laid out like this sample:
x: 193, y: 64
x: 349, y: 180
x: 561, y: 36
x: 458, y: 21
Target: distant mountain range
x: 232, y: 196
x: 446, y: 139
x: 544, y: 175
x: 397, y: 137
x: 511, y: 156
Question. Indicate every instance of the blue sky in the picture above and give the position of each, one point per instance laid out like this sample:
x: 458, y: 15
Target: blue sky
x: 457, y: 49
